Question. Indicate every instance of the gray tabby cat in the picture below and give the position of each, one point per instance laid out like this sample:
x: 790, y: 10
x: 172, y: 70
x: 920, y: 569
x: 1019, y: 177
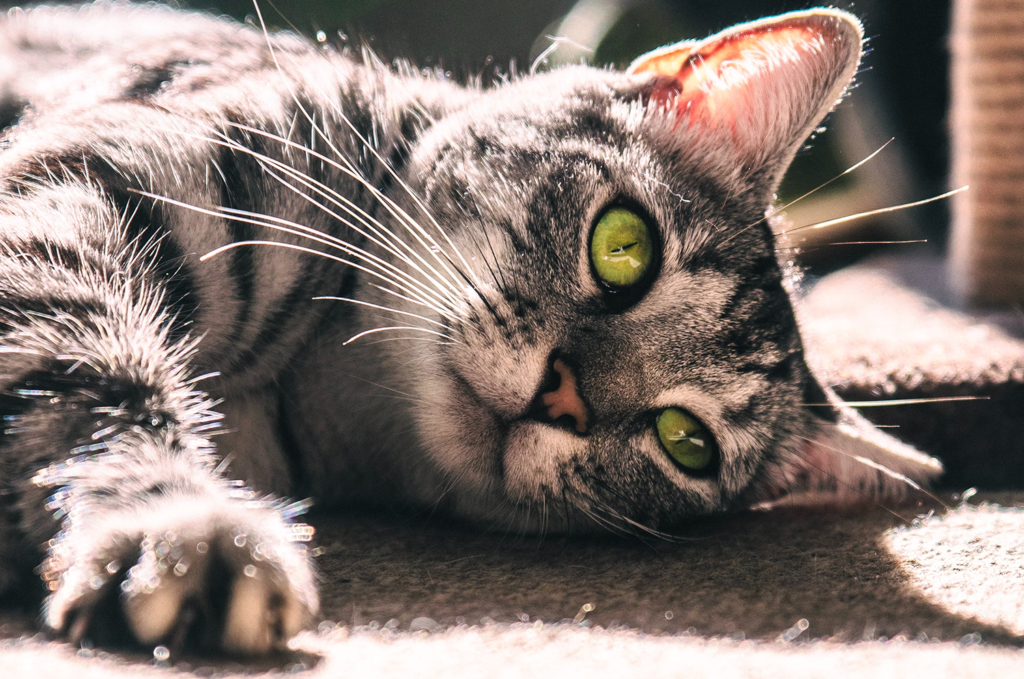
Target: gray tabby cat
x: 564, y: 308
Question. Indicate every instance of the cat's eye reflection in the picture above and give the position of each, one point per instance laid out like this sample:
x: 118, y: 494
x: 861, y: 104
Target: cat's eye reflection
x: 686, y: 440
x: 621, y: 248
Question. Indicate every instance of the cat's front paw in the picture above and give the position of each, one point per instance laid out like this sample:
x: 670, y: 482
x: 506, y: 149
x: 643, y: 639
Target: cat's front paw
x: 190, y: 576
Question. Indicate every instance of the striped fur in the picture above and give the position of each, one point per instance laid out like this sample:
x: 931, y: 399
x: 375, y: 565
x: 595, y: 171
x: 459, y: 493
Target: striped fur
x: 450, y: 223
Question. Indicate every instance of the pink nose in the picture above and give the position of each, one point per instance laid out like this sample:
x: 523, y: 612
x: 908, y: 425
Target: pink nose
x: 565, y: 400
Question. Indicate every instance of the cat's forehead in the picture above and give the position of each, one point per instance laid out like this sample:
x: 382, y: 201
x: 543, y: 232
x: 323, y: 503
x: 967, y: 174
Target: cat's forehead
x: 560, y: 97
x: 537, y: 114
x: 587, y: 126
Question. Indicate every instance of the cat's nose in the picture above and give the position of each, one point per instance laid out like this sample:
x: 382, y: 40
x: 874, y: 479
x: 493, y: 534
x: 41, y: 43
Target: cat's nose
x: 559, y: 397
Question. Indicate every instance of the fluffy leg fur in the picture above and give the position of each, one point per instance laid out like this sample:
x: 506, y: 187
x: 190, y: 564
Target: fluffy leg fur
x: 155, y: 545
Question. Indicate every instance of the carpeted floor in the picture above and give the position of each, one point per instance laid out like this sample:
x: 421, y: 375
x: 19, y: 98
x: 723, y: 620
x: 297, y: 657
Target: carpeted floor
x: 796, y: 591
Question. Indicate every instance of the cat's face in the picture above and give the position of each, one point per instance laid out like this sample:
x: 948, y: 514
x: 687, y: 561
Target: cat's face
x: 618, y: 339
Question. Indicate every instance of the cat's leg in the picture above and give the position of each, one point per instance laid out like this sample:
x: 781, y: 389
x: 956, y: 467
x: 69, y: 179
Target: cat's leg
x: 251, y: 438
x: 106, y: 459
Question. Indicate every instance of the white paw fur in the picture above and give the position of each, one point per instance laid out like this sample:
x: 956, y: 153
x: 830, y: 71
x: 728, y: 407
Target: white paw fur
x: 231, y: 580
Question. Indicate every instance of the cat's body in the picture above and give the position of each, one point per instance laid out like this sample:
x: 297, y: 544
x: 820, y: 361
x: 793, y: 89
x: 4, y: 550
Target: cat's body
x: 520, y: 384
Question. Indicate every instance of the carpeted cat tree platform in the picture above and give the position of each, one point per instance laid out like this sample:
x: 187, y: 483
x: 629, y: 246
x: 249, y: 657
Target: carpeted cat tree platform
x: 795, y: 591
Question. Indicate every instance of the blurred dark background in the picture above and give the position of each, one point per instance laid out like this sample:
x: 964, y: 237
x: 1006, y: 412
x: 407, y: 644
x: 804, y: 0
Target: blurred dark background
x: 902, y: 91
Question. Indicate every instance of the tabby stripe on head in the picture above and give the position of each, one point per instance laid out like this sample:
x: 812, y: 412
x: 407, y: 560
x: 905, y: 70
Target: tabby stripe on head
x: 757, y: 276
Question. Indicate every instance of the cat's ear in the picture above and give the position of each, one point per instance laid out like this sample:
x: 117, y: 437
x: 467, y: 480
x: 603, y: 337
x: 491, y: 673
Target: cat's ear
x: 845, y: 459
x: 758, y: 89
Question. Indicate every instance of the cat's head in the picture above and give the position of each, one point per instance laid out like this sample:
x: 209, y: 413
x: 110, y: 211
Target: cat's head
x: 619, y: 336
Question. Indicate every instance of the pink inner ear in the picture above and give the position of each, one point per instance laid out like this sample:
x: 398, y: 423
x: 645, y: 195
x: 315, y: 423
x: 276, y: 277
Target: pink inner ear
x: 720, y: 82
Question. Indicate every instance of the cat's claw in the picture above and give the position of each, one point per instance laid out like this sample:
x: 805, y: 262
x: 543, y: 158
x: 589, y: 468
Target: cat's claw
x: 235, y: 584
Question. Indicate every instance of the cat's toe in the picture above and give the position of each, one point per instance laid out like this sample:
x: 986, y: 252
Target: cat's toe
x: 261, y: 616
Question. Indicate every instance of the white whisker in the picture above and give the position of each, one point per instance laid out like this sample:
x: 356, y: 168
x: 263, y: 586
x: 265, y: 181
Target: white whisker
x: 399, y: 295
x: 408, y: 190
x: 793, y: 202
x: 395, y: 327
x: 880, y: 211
x: 668, y: 537
x: 400, y: 215
x: 380, y: 231
x: 878, y: 242
x: 382, y: 265
x: 383, y: 244
x: 386, y: 165
x: 900, y: 401
x: 382, y: 308
x: 877, y: 467
x: 299, y: 248
x: 837, y: 177
x: 409, y: 339
x: 384, y: 270
x: 380, y: 386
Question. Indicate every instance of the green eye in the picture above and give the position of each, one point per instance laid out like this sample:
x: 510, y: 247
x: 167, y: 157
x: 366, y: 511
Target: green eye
x: 621, y: 248
x: 685, y: 439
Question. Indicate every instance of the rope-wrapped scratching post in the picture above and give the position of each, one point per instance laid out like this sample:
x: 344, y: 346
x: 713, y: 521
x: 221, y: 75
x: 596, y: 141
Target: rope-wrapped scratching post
x: 987, y: 119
